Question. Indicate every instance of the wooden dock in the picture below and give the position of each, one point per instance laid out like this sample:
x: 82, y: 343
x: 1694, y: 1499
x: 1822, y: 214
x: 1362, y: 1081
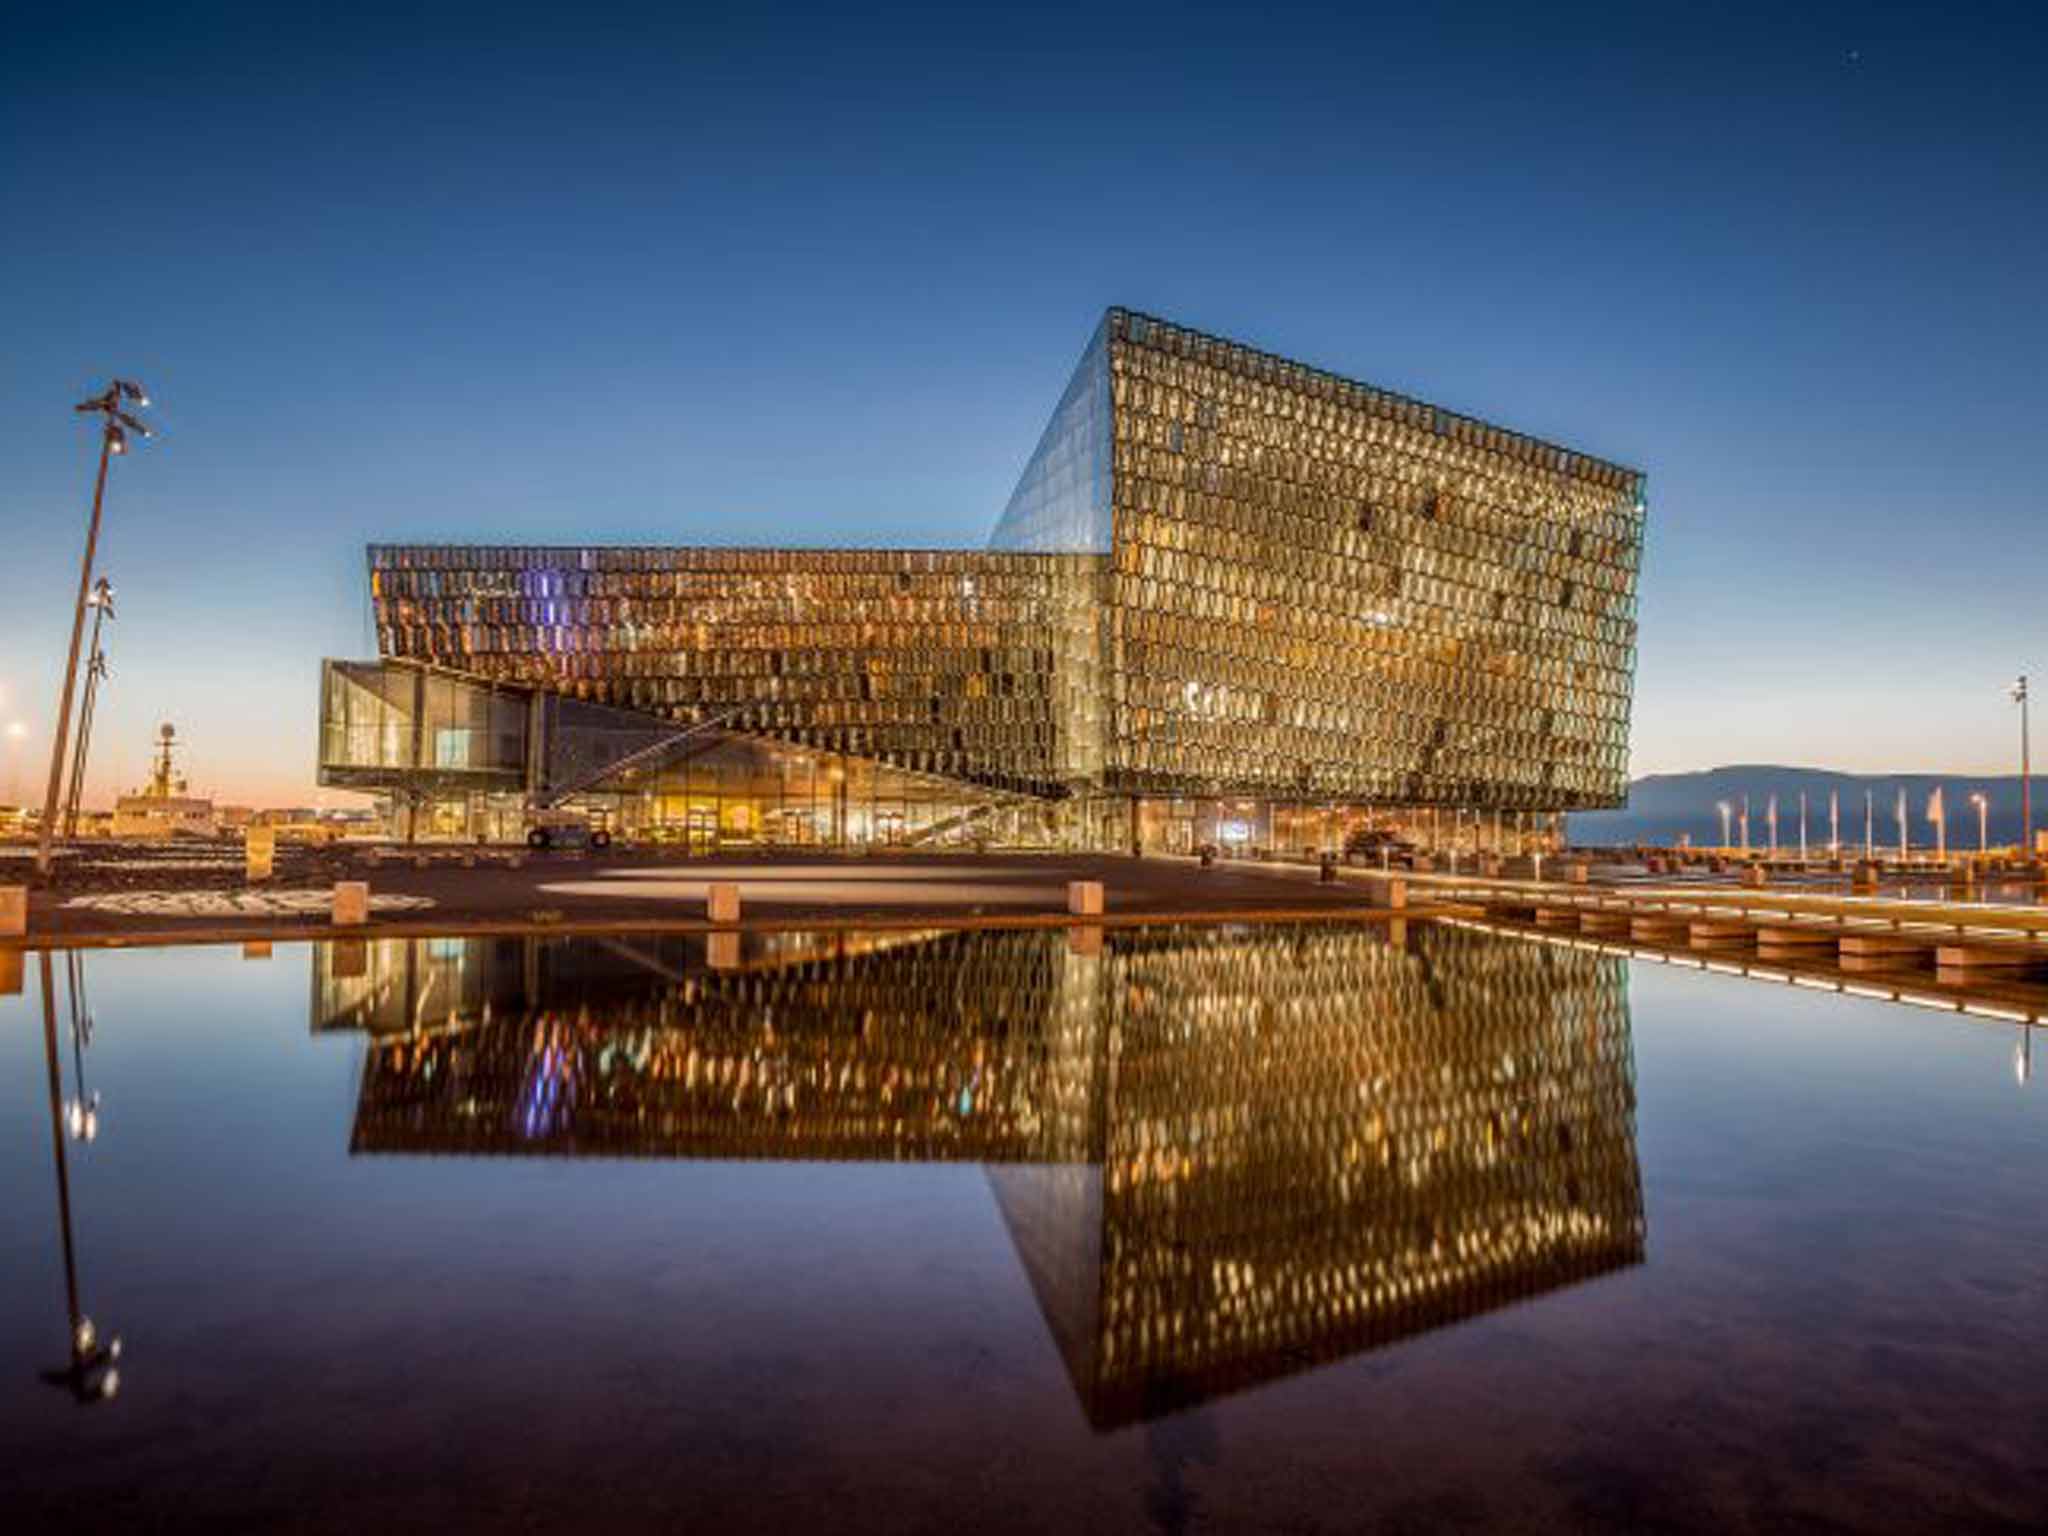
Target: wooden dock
x: 1860, y: 933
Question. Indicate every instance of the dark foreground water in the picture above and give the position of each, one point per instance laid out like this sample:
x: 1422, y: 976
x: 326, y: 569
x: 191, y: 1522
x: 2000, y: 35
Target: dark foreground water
x: 1303, y: 1229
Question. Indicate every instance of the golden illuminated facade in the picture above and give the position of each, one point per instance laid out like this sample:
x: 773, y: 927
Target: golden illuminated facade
x: 1229, y: 590
x: 1224, y: 1155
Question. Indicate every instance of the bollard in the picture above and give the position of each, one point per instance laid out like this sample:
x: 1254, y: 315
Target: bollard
x: 13, y: 910
x: 1397, y: 895
x: 259, y: 853
x: 722, y: 902
x: 1084, y: 898
x: 351, y: 903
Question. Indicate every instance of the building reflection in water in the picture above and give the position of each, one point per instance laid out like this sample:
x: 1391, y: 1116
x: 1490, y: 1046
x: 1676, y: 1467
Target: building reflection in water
x: 1224, y: 1154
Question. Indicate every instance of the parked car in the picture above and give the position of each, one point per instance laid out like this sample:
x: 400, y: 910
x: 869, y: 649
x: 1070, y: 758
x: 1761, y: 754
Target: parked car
x: 559, y: 828
x: 1374, y: 840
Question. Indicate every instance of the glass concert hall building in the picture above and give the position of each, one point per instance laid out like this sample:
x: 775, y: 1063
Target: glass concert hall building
x: 1233, y: 600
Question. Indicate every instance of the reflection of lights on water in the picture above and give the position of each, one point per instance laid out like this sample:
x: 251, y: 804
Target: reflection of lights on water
x: 82, y: 1118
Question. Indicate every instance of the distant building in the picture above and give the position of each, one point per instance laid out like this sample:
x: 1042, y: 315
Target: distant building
x: 1232, y: 600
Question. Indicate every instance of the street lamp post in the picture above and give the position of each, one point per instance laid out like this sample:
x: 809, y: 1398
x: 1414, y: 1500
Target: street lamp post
x: 16, y: 734
x: 102, y: 603
x: 116, y: 425
x: 2019, y: 697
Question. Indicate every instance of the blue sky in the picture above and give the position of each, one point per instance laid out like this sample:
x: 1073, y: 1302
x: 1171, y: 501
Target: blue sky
x: 764, y: 275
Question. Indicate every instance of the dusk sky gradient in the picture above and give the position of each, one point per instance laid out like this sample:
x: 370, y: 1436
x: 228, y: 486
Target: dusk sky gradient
x: 754, y: 275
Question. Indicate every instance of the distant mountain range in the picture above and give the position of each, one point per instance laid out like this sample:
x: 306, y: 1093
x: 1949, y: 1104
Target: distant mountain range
x: 1664, y: 807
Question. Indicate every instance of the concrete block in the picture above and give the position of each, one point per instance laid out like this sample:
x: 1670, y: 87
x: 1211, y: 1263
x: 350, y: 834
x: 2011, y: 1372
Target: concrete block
x: 722, y: 902
x: 1719, y: 931
x: 13, y: 910
x: 351, y: 903
x: 1987, y: 957
x: 259, y: 852
x: 1794, y: 935
x: 1084, y: 898
x: 1891, y: 946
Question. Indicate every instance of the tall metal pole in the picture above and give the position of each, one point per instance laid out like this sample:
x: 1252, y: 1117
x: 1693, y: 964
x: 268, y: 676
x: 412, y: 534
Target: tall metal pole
x: 2026, y: 779
x: 92, y: 539
x: 95, y: 669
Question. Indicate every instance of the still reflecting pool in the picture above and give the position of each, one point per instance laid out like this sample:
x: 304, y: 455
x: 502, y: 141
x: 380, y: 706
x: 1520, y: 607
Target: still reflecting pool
x: 1302, y: 1227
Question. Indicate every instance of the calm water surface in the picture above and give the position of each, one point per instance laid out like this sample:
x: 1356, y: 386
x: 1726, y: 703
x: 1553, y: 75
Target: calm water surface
x: 1306, y: 1229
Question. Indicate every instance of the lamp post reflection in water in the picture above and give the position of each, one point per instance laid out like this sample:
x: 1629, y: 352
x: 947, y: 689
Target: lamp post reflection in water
x: 92, y: 1375
x: 82, y: 1109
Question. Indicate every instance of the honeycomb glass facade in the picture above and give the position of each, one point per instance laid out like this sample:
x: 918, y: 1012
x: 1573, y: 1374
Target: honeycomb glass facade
x: 1229, y: 592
